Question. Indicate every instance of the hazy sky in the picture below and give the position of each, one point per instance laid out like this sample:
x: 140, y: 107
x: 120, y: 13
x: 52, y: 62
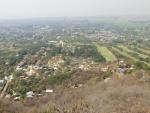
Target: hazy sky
x: 62, y: 8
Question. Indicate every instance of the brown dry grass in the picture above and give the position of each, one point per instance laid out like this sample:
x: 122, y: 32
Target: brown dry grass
x: 124, y: 95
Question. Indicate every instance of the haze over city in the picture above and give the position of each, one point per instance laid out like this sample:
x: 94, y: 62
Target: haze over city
x: 72, y: 8
x: 74, y: 56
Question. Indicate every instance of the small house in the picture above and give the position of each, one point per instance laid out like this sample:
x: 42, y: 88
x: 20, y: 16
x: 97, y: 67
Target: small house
x: 49, y: 91
x: 30, y: 94
x: 17, y: 98
x: 2, y: 83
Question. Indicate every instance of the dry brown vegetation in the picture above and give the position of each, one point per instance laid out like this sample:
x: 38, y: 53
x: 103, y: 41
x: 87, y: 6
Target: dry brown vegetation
x: 10, y: 107
x: 124, y: 95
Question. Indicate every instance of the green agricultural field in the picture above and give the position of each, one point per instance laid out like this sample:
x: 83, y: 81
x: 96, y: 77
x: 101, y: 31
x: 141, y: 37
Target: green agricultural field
x: 144, y: 47
x: 108, y: 55
x: 124, y: 53
x: 140, y: 50
x: 131, y: 51
x: 144, y: 50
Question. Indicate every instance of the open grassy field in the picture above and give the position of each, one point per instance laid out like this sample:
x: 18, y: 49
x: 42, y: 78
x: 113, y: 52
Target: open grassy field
x: 124, y: 53
x: 144, y: 47
x: 107, y: 54
x: 144, y: 50
x: 140, y: 50
x: 131, y: 51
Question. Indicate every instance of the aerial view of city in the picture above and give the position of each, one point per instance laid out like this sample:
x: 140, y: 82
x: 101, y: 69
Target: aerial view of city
x: 76, y: 57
